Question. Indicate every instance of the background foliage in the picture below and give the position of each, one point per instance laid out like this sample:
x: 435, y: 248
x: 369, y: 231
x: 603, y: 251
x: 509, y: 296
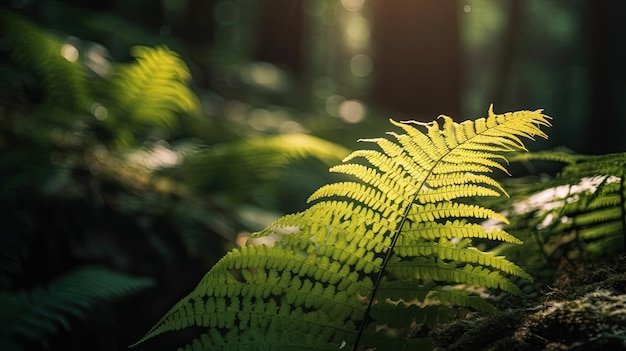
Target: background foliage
x: 139, y: 140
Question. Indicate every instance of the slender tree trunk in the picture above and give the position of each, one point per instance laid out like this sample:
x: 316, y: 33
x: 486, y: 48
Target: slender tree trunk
x: 279, y: 38
x: 507, y: 54
x: 417, y: 57
x: 199, y: 25
x: 605, y: 54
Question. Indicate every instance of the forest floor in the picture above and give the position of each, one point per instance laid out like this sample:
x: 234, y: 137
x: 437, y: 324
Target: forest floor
x: 581, y: 307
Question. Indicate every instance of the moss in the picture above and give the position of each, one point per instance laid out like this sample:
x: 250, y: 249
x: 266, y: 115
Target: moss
x: 585, y: 309
x: 469, y: 334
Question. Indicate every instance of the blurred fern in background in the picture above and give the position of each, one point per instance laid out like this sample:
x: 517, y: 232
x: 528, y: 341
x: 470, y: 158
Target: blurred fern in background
x: 114, y: 179
x: 575, y: 212
x: 39, y: 312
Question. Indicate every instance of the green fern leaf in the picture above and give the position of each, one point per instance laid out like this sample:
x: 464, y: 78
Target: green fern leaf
x: 40, y: 53
x: 258, y: 161
x: 330, y: 274
x: 150, y: 93
x: 587, y: 198
x: 38, y: 313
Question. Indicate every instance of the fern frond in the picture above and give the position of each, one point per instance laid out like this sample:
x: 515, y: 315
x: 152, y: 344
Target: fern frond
x: 151, y: 92
x: 586, y: 198
x: 40, y: 312
x: 405, y: 222
x: 258, y: 160
x: 40, y: 53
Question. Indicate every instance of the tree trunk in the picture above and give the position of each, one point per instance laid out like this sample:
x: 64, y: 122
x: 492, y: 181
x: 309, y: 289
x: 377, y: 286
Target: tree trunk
x: 417, y: 55
x: 605, y: 52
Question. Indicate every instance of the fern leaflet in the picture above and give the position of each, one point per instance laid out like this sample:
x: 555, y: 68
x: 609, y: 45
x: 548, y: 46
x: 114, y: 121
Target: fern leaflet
x: 39, y: 312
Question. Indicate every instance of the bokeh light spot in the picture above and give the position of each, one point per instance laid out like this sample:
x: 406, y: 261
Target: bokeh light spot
x: 100, y: 112
x: 361, y: 65
x: 157, y: 157
x: 358, y: 29
x: 353, y: 5
x: 69, y: 52
x: 265, y: 74
x: 351, y: 111
x: 96, y: 59
x: 289, y: 127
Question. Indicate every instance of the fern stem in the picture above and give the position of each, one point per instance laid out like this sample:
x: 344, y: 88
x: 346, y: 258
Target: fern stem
x: 379, y: 277
x: 386, y: 259
x: 623, y: 208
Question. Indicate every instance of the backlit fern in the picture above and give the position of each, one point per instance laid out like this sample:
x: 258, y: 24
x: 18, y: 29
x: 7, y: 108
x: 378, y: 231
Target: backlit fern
x: 150, y: 91
x: 259, y: 161
x: 374, y: 262
x: 580, y: 211
x: 72, y: 185
x: 152, y: 94
x: 131, y: 100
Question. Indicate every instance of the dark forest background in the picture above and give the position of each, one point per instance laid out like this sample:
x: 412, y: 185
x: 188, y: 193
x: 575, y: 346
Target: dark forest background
x: 109, y: 217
